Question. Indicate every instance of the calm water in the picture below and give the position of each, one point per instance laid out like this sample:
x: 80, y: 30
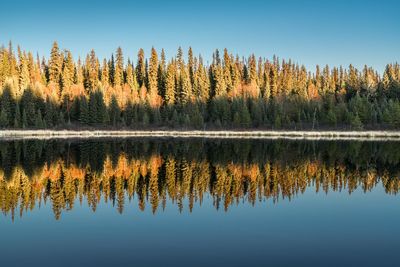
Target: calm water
x: 164, y: 202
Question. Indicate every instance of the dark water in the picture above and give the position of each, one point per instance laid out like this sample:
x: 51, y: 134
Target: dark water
x: 164, y: 202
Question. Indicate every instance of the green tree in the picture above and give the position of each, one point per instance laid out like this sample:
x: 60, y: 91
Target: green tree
x: 114, y: 112
x: 119, y: 68
x: 55, y: 64
x: 153, y: 73
x: 3, y: 119
x: 84, y: 116
x: 141, y: 68
x: 170, y: 85
x: 17, y: 117
x: 355, y: 122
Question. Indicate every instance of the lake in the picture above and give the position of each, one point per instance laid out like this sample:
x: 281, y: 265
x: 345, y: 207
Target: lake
x: 199, y: 202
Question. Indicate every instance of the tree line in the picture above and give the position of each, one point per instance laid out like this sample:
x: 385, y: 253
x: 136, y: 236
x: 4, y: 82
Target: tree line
x: 185, y: 92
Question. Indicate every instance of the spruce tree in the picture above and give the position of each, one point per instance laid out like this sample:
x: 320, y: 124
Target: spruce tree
x: 170, y: 85
x: 153, y: 73
x: 7, y: 104
x: 141, y: 68
x: 185, y: 88
x: 67, y: 77
x: 105, y: 74
x: 24, y: 77
x: 114, y: 112
x: 119, y: 68
x: 131, y: 77
x: 39, y: 120
x: 24, y: 120
x: 17, y: 117
x: 84, y: 116
x: 3, y: 119
x: 55, y: 64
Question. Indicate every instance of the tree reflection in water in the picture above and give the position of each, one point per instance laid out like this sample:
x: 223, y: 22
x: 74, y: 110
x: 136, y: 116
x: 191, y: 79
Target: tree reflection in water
x: 154, y: 171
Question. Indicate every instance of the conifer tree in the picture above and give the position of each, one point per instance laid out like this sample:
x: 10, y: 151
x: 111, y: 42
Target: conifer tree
x: 119, y: 68
x: 153, y: 73
x: 17, y: 117
x: 191, y: 66
x: 7, y: 103
x: 111, y: 69
x: 39, y: 120
x: 141, y: 69
x: 84, y: 116
x: 161, y: 74
x: 24, y: 120
x: 227, y: 69
x: 92, y: 71
x: 55, y: 64
x: 24, y: 77
x: 220, y: 86
x: 131, y: 77
x: 114, y: 111
x: 170, y: 85
x: 3, y: 119
x: 67, y: 77
x: 105, y: 74
x: 185, y: 87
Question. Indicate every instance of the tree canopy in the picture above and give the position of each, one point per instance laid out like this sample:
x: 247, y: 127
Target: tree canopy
x: 183, y: 92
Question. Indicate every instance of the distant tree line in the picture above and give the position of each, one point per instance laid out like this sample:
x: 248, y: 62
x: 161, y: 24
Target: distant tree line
x: 184, y: 92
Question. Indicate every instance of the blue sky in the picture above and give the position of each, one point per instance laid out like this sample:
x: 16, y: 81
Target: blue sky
x: 309, y: 32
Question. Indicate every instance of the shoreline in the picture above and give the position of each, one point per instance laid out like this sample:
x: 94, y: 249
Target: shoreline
x: 306, y: 135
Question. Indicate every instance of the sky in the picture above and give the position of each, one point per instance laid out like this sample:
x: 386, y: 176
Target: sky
x: 309, y: 32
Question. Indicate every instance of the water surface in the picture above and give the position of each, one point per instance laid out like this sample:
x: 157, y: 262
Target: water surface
x: 196, y: 202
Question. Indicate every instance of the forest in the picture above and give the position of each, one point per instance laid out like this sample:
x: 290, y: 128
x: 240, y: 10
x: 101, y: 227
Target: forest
x: 184, y: 92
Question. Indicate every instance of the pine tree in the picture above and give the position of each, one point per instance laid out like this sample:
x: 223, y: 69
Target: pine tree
x: 355, y: 122
x: 273, y: 77
x: 170, y: 85
x: 119, y: 68
x: 38, y: 120
x: 227, y: 70
x: 162, y: 74
x: 191, y: 67
x: 3, y: 119
x: 141, y: 69
x: 97, y: 107
x: 266, y: 86
x: 17, y: 117
x: 185, y: 88
x: 67, y: 77
x: 220, y: 87
x: 92, y: 71
x: 49, y: 113
x: 153, y: 73
x: 7, y: 104
x: 203, y: 83
x: 84, y: 116
x: 114, y: 112
x: 24, y: 120
x: 131, y: 77
x: 55, y: 65
x: 253, y: 71
x: 24, y: 77
x: 105, y: 74
x: 111, y: 69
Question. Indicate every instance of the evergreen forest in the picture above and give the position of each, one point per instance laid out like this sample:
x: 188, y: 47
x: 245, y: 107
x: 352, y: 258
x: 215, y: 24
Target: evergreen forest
x: 187, y: 92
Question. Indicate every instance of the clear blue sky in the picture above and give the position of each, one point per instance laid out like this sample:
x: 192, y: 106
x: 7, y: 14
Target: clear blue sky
x: 309, y: 32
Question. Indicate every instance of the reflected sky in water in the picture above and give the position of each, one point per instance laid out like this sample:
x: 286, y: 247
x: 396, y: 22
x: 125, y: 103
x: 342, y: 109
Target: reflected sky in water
x: 152, y: 202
